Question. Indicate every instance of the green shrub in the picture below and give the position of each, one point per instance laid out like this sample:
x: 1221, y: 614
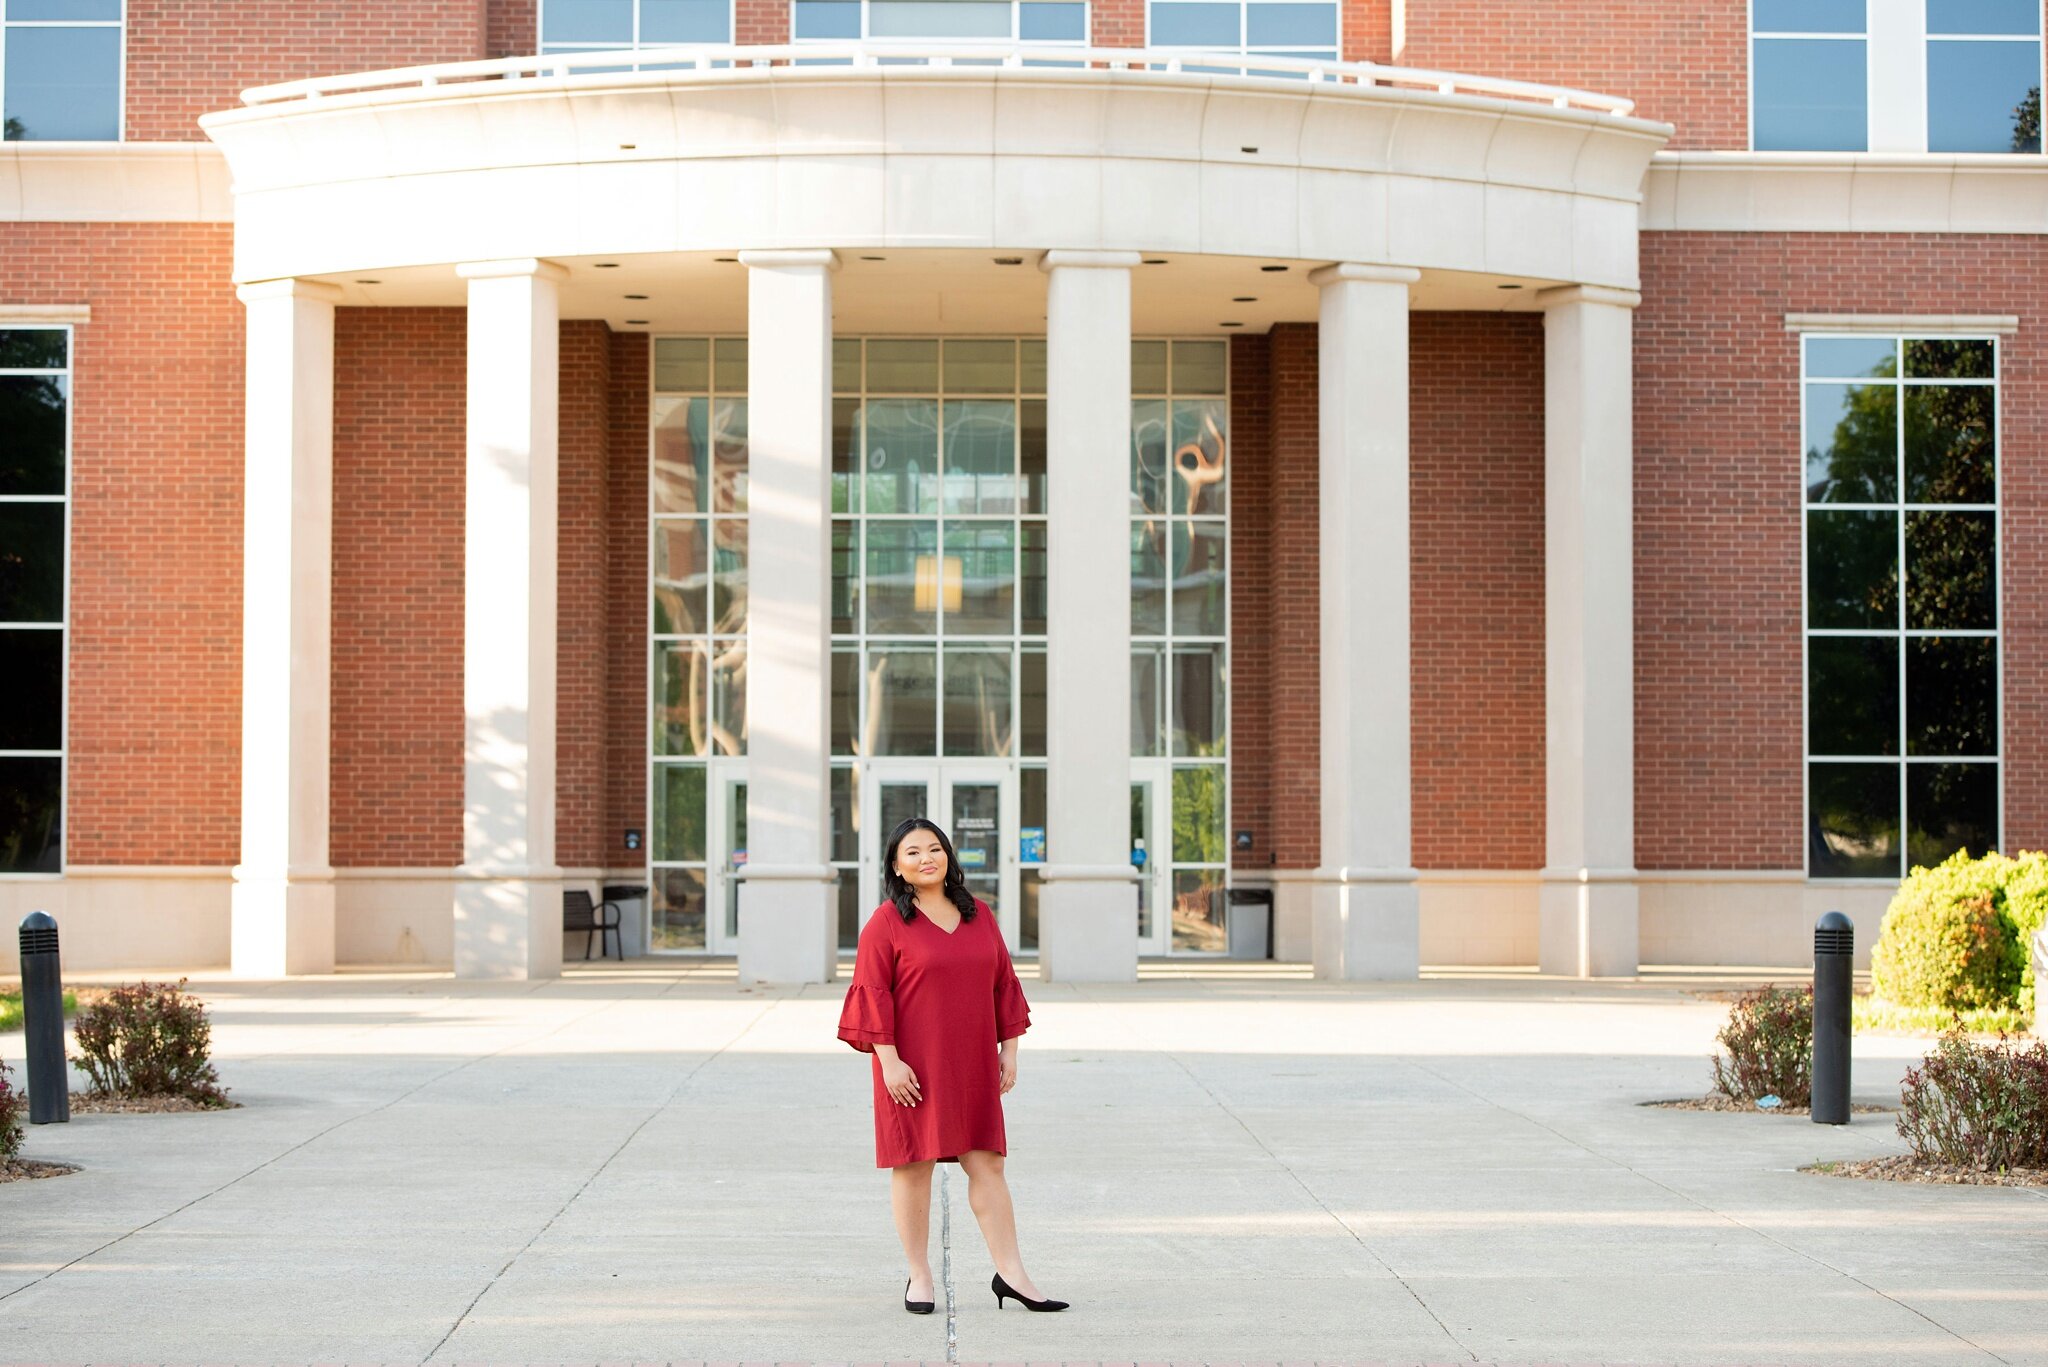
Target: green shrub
x: 1946, y: 940
x: 1769, y: 1039
x: 10, y: 1118
x: 149, y: 1039
x: 1982, y: 1106
x: 2026, y: 906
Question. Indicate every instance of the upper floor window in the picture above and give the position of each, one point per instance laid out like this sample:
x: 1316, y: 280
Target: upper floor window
x: 1277, y: 28
x: 601, y: 25
x: 1028, y: 21
x: 1895, y: 76
x: 35, y: 482
x: 60, y: 70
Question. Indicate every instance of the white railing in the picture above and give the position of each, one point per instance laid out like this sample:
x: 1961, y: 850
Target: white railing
x: 563, y: 66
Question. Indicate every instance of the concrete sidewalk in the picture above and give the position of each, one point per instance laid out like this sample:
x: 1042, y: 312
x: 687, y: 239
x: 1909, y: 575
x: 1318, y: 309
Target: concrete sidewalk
x: 1227, y: 1164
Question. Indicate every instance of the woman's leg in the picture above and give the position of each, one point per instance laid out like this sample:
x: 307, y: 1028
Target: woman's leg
x: 910, y: 1198
x: 989, y: 1195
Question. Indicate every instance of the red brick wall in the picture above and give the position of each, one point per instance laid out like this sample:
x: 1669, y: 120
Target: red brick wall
x: 1687, y: 64
x: 1476, y: 560
x: 512, y: 27
x: 1718, y: 691
x: 582, y: 606
x: 761, y: 21
x: 188, y: 57
x: 1117, y: 23
x: 396, y: 775
x: 625, y: 663
x: 155, y: 709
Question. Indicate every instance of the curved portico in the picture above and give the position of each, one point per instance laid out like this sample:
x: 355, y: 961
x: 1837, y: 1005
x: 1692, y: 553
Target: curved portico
x: 783, y: 201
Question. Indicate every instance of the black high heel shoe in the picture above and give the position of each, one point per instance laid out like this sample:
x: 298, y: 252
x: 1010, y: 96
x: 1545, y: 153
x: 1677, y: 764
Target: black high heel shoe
x: 1003, y: 1288
x: 917, y: 1307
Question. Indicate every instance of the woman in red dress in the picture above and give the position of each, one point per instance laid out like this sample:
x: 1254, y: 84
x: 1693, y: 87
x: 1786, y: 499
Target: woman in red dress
x: 935, y: 1000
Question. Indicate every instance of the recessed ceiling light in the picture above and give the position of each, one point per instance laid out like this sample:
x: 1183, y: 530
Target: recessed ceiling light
x: 874, y: 258
x: 1154, y: 261
x: 1009, y: 261
x: 728, y: 260
x: 1249, y: 151
x: 1507, y: 287
x: 606, y: 265
x: 1245, y: 299
x: 629, y: 146
x: 1270, y: 269
x: 369, y: 282
x: 636, y: 296
x: 636, y: 322
x: 1230, y: 325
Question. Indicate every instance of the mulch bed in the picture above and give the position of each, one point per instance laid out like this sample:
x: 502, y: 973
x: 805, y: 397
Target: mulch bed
x: 160, y: 1103
x: 23, y: 1169
x: 1714, y: 1101
x: 1906, y: 1168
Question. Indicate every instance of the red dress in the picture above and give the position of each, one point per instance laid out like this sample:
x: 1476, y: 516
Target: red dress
x: 946, y: 1001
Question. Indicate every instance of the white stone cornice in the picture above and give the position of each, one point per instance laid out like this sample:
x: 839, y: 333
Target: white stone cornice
x: 45, y: 313
x: 1068, y: 260
x: 790, y: 259
x: 1588, y: 294
x: 512, y: 267
x: 114, y: 182
x: 2004, y: 324
x: 318, y: 291
x: 1351, y: 270
x: 1845, y: 192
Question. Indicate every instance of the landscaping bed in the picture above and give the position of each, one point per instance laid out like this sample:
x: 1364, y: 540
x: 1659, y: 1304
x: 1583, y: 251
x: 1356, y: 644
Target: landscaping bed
x: 1715, y: 1101
x: 1906, y: 1168
x: 28, y: 1169
x: 158, y: 1103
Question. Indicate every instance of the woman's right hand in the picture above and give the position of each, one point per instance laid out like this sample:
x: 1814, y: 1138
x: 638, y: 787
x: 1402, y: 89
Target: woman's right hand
x: 901, y: 1082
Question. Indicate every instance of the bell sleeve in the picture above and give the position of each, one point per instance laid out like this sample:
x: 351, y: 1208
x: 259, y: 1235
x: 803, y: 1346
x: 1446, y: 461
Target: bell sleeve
x: 869, y: 1016
x: 1013, y: 1013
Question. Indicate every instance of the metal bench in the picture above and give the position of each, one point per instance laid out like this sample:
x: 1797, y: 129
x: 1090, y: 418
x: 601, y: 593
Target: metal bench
x: 579, y: 912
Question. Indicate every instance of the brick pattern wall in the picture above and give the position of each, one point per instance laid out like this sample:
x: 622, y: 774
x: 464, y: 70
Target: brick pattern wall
x: 582, y: 615
x: 1476, y: 560
x: 154, y: 729
x: 189, y: 57
x: 1719, y: 769
x: 1685, y: 64
x: 1251, y: 596
x: 1294, y: 657
x: 399, y: 431
x: 1117, y: 23
x: 512, y: 27
x: 625, y: 662
x: 761, y: 21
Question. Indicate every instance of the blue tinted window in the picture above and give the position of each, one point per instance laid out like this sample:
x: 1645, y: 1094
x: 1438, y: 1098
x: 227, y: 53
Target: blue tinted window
x: 1975, y: 93
x: 1810, y: 95
x: 63, y: 9
x: 63, y: 84
x: 1286, y: 25
x: 828, y: 18
x: 1052, y: 23
x: 1176, y: 23
x: 1984, y: 16
x: 1808, y: 16
x: 939, y: 19
x: 685, y: 21
x: 587, y: 21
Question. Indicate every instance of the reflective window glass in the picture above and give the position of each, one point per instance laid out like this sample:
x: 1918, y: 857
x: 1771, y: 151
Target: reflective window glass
x: 1150, y: 455
x: 1031, y: 579
x: 1199, y: 700
x: 729, y: 696
x: 845, y: 576
x: 1948, y: 358
x: 1951, y: 574
x: 728, y: 575
x: 902, y: 366
x: 1056, y: 22
x: 75, y: 10
x: 902, y: 694
x: 32, y: 421
x: 902, y: 583
x: 729, y: 365
x: 62, y: 84
x: 33, y: 348
x: 845, y: 701
x: 1810, y: 95
x: 1952, y: 695
x: 685, y: 21
x: 1852, y: 443
x: 845, y: 455
x: 1951, y: 807
x: 980, y: 456
x: 902, y: 456
x: 828, y: 18
x: 679, y: 822
x: 981, y: 570
x: 1031, y: 703
x: 31, y: 803
x: 1199, y: 583
x: 1188, y: 23
x: 1852, y: 820
x: 1148, y: 578
x: 1951, y: 443
x: 587, y: 21
x: 676, y: 909
x: 977, y: 711
x: 979, y: 365
x: 1148, y: 367
x: 1808, y: 16
x: 1852, y: 358
x: 1198, y: 813
x: 1290, y: 24
x: 682, y: 455
x: 1148, y: 662
x: 681, y: 576
x: 1852, y: 695
x: 1198, y: 485
x: 32, y: 565
x: 682, y: 364
x: 1852, y: 569
x: 32, y: 690
x: 1983, y: 96
x: 682, y: 688
x: 729, y: 454
x: 1031, y: 454
x: 1984, y: 16
x: 938, y: 19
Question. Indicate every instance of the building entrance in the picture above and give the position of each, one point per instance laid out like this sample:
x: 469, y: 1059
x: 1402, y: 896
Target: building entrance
x: 976, y: 804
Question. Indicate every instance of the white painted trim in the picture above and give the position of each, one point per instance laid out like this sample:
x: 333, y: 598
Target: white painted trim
x: 1883, y: 324
x: 55, y: 315
x: 1845, y: 192
x: 114, y: 182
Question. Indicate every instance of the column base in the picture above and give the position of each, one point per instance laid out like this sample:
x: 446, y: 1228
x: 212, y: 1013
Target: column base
x: 1367, y: 926
x: 508, y: 927
x: 280, y: 926
x: 789, y: 925
x: 1588, y: 924
x: 1088, y: 925
x: 1294, y: 915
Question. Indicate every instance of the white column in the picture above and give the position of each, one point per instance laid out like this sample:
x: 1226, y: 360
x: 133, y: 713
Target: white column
x: 1365, y: 908
x: 282, y: 901
x: 1588, y: 899
x: 789, y: 924
x: 1088, y: 908
x: 508, y: 895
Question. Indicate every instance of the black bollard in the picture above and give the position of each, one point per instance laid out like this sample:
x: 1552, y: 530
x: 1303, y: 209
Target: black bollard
x: 1834, y: 954
x: 42, y: 1021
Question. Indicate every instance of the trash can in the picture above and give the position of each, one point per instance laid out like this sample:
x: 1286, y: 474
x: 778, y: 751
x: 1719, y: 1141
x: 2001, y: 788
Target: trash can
x: 1249, y: 923
x: 632, y: 903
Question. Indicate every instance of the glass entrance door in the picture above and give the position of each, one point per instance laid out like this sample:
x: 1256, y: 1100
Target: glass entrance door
x: 1151, y: 836
x: 977, y: 806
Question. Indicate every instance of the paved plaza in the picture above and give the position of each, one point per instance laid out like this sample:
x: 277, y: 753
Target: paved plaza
x: 1220, y: 1163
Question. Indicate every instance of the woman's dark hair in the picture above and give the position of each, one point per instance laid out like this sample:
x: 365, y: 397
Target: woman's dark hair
x: 899, y: 891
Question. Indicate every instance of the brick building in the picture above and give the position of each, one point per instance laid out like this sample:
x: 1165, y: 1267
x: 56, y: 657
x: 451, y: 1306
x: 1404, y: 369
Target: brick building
x: 451, y: 452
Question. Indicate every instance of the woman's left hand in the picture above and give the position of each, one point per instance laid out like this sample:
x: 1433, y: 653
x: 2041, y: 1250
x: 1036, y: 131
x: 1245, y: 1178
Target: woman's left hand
x: 1008, y: 1061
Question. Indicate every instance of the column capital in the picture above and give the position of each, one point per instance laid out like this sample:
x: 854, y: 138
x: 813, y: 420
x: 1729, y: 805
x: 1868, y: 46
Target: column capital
x: 780, y: 259
x: 1345, y: 271
x: 1059, y: 258
x: 318, y: 291
x: 514, y: 266
x: 1588, y: 294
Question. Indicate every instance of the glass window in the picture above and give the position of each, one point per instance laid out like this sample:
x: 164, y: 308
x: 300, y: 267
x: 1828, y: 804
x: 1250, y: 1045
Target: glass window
x: 1810, y: 95
x: 35, y: 458
x: 1902, y: 647
x: 827, y: 19
x: 1031, y: 21
x: 1279, y: 28
x: 1197, y: 23
x: 1057, y: 21
x: 585, y: 25
x: 1983, y: 96
x: 62, y: 77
